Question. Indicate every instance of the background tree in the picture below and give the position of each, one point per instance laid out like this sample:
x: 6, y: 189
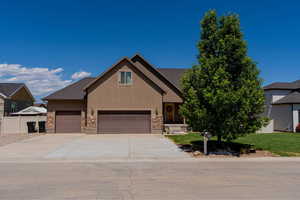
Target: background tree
x: 223, y: 93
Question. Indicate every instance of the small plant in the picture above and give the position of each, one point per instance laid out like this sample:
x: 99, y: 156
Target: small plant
x: 298, y: 128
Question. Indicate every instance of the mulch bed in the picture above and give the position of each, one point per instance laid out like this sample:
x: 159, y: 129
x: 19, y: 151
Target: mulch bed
x: 222, y: 153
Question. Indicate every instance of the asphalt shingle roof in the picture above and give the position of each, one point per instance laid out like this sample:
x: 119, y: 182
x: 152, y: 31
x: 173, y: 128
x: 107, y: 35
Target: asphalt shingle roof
x: 283, y: 85
x: 71, y: 92
x: 75, y: 91
x: 173, y: 74
x: 10, y: 88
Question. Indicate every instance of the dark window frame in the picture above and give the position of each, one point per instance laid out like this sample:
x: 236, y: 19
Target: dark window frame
x: 123, y: 78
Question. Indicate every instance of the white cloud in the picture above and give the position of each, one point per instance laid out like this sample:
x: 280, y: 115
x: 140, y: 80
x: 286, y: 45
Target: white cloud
x: 40, y: 81
x: 79, y: 75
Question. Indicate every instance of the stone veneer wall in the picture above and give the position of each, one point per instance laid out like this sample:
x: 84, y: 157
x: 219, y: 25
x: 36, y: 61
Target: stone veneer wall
x: 50, y: 123
x: 157, y: 124
x: 82, y: 121
x: 91, y: 126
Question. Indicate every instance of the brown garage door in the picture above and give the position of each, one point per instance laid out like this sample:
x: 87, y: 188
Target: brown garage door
x: 67, y: 122
x: 124, y: 122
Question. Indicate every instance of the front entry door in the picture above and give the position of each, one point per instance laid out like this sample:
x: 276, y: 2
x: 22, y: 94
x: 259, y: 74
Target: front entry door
x: 169, y: 112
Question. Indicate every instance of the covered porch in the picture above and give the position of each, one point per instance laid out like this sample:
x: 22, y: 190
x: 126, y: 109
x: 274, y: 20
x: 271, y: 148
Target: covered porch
x: 174, y: 123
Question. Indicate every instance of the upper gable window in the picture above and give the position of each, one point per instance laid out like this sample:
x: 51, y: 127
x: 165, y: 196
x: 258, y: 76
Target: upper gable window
x: 125, y: 78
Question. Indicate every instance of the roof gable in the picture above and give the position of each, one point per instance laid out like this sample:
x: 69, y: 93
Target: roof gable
x: 169, y: 78
x: 174, y: 86
x: 8, y: 90
x: 118, y: 64
x: 31, y: 110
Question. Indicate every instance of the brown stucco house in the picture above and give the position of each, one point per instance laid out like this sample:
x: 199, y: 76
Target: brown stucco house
x: 131, y: 96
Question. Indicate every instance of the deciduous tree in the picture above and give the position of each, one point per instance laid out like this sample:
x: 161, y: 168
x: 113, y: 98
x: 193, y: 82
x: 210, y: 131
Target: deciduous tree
x: 223, y: 93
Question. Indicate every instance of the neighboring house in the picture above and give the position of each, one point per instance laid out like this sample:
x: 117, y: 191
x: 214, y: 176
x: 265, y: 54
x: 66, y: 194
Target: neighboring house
x: 131, y: 96
x: 32, y: 111
x: 40, y: 105
x: 283, y: 105
x: 13, y: 98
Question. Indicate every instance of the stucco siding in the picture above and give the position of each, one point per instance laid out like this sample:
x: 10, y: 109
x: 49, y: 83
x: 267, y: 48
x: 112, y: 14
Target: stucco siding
x: 109, y: 94
x: 170, y: 95
x: 283, y: 117
x: 22, y: 95
x: 64, y: 105
x: 274, y: 95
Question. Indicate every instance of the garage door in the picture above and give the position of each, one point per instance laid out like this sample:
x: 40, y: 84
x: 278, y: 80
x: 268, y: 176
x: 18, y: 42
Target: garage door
x: 124, y: 122
x: 68, y: 122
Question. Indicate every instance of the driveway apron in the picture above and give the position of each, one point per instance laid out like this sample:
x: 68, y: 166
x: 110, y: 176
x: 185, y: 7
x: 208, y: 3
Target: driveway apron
x: 93, y: 147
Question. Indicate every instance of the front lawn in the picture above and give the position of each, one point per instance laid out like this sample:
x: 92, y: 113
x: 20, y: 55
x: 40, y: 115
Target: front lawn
x: 283, y: 144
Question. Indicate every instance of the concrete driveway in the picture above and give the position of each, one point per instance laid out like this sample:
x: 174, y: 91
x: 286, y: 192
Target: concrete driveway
x: 82, y: 147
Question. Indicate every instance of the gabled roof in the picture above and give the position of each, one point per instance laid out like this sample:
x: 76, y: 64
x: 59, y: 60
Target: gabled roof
x: 283, y: 86
x: 291, y: 98
x: 76, y: 91
x: 40, y: 105
x: 158, y: 73
x: 125, y: 59
x: 173, y: 74
x: 7, y: 90
x: 71, y: 92
x: 31, y: 110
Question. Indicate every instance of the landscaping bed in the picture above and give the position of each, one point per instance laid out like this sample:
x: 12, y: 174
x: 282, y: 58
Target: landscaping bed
x: 253, y: 145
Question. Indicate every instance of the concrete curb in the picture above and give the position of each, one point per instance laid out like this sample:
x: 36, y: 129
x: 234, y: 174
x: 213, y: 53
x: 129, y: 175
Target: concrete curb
x: 170, y: 160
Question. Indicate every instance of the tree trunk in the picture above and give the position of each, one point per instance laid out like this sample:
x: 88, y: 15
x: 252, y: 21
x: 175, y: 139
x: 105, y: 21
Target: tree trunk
x: 219, y: 140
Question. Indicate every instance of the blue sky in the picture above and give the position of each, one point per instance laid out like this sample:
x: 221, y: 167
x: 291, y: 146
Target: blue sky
x: 43, y: 43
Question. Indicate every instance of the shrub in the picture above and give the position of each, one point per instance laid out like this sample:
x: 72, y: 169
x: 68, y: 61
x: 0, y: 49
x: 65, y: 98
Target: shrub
x: 298, y: 128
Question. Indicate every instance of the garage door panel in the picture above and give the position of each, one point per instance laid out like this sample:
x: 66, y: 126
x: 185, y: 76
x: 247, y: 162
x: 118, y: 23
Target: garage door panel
x: 124, y: 122
x: 68, y: 122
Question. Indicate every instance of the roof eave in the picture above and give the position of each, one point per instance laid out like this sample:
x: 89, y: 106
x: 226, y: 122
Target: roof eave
x: 279, y: 88
x: 164, y: 77
x: 61, y: 99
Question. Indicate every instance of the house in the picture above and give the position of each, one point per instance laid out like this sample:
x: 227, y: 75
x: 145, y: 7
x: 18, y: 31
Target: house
x: 283, y: 105
x: 42, y: 105
x: 32, y: 111
x: 14, y: 97
x: 132, y: 96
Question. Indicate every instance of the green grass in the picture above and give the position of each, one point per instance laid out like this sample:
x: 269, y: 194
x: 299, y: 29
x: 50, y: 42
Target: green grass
x: 283, y: 144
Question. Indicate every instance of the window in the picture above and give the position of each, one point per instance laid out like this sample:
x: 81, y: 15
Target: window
x: 125, y: 78
x: 13, y: 107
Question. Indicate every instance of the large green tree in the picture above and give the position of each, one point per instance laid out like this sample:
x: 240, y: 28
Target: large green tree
x: 223, y: 93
